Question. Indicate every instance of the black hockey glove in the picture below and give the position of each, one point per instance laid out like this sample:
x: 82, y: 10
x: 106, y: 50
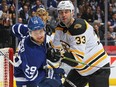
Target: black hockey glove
x: 49, y: 30
x: 69, y: 59
x: 53, y: 55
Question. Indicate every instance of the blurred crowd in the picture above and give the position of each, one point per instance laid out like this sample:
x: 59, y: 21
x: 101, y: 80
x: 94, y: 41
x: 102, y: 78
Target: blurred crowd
x: 93, y: 11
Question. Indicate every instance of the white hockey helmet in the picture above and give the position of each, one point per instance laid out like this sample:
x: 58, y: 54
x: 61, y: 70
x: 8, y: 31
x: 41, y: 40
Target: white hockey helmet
x: 65, y: 5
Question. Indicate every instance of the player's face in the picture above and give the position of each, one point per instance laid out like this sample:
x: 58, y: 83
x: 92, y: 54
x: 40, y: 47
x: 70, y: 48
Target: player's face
x: 65, y: 16
x: 38, y: 36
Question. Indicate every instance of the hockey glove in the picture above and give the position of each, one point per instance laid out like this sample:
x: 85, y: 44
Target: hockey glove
x: 53, y: 55
x: 69, y: 59
x: 48, y: 29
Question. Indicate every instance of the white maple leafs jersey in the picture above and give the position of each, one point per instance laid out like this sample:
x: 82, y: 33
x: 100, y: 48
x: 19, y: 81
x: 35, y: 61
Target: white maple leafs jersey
x: 84, y: 44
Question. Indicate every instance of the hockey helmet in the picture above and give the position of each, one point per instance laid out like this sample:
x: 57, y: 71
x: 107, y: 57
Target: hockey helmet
x: 43, y: 14
x: 63, y: 5
x: 41, y: 11
x: 35, y: 23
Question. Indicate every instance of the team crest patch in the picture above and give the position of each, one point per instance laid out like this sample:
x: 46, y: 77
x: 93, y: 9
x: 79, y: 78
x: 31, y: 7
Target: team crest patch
x: 77, y: 26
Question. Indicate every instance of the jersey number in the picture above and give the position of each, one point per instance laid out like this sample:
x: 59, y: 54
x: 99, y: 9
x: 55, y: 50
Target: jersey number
x: 80, y: 40
x: 30, y: 71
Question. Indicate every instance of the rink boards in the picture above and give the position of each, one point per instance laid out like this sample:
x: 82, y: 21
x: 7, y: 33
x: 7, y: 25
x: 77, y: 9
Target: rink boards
x: 113, y: 71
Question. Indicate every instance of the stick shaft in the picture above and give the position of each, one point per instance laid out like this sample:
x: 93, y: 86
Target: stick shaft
x: 87, y: 64
x: 7, y: 58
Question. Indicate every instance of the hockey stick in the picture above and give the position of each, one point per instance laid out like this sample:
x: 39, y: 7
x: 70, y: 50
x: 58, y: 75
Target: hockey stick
x: 78, y: 62
x: 66, y: 49
x: 7, y: 58
x: 75, y: 61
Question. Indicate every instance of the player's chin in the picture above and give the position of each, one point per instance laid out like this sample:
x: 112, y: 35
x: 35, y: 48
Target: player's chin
x: 64, y: 21
x: 40, y: 40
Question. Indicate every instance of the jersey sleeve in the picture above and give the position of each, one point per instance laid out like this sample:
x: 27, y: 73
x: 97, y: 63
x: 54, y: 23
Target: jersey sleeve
x: 20, y: 30
x: 22, y: 66
x: 57, y: 37
x: 29, y: 72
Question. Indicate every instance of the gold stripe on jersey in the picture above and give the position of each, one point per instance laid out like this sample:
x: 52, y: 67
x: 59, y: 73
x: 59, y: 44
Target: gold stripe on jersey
x: 94, y: 64
x: 59, y: 28
x: 53, y: 33
x: 87, y: 25
x: 56, y: 47
x: 77, y: 57
x: 90, y: 59
x: 68, y: 33
x: 95, y: 55
x: 55, y: 66
x: 78, y: 52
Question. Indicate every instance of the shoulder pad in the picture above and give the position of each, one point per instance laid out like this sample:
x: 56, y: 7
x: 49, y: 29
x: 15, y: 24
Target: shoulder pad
x: 78, y: 27
x: 62, y: 27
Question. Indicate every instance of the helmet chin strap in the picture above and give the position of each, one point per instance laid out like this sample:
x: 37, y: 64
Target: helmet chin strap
x: 30, y: 33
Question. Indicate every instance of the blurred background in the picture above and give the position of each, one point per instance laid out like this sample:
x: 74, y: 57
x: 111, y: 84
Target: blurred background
x: 101, y: 14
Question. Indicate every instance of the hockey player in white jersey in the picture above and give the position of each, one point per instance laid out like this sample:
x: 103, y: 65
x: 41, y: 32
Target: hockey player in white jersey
x: 84, y: 47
